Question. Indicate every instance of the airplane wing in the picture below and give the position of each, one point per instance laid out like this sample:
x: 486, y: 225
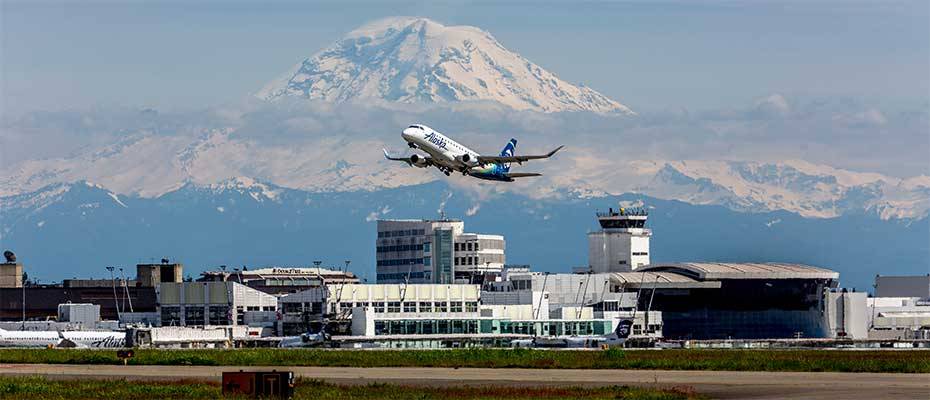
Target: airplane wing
x: 516, y: 159
x: 412, y: 161
x: 521, y: 174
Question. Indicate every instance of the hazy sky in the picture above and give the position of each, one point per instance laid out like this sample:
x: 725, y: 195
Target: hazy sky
x: 650, y: 56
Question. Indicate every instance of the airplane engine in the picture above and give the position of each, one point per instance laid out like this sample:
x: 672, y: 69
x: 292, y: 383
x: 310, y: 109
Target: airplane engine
x: 418, y: 162
x: 466, y: 159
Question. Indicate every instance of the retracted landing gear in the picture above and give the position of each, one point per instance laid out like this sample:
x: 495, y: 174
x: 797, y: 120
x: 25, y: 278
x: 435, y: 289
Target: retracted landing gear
x: 412, y: 145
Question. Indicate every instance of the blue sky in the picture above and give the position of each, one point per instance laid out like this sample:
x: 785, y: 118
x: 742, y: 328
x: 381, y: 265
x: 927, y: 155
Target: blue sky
x: 648, y: 55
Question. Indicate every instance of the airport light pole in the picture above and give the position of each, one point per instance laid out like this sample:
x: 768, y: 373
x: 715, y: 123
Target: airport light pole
x: 126, y: 286
x: 24, y: 303
x: 115, y: 300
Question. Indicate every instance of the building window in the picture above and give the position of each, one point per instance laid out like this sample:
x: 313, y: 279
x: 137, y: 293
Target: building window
x: 193, y: 315
x: 393, y: 307
x: 426, y: 247
x: 170, y: 316
x: 345, y: 306
x: 426, y: 307
x: 363, y: 304
x: 410, y: 307
x: 291, y: 308
x: 379, y: 306
x: 219, y: 315
x: 426, y: 261
x: 440, y: 306
x: 476, y: 246
x: 471, y: 306
x: 456, y: 306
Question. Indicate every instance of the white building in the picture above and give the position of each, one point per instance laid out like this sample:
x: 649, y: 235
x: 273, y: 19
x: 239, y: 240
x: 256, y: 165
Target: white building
x: 304, y: 310
x: 622, y: 244
x: 210, y: 303
x: 435, y: 251
x: 898, y: 318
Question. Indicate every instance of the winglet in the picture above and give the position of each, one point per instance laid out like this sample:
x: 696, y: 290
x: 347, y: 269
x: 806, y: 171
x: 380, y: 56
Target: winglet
x: 386, y: 154
x: 551, y: 153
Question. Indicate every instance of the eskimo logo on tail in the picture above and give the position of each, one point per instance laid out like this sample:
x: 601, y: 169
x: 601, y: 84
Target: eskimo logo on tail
x: 624, y: 328
x: 508, y: 151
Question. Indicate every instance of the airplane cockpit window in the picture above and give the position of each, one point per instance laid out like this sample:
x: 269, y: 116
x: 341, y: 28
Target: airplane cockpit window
x: 415, y: 127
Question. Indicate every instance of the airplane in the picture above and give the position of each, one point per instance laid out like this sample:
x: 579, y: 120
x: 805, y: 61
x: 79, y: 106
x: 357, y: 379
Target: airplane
x: 615, y: 338
x: 47, y: 339
x: 449, y: 156
x: 304, y: 340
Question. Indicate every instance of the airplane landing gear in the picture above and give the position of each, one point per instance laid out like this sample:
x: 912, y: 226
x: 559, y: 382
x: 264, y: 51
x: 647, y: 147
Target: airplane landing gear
x: 411, y: 145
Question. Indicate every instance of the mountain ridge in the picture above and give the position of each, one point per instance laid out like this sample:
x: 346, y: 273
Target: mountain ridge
x: 86, y: 226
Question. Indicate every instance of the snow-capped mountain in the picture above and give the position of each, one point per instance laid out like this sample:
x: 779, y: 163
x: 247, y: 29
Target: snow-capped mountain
x: 149, y: 166
x: 807, y: 189
x: 243, y: 221
x: 411, y: 60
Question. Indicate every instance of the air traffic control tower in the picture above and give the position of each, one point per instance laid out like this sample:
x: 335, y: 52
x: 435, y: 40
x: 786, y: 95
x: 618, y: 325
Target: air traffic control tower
x: 622, y: 244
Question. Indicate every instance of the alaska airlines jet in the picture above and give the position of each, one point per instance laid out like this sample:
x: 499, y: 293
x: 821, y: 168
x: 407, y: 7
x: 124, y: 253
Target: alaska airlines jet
x: 614, y: 339
x: 448, y: 155
x: 80, y: 339
x: 304, y: 340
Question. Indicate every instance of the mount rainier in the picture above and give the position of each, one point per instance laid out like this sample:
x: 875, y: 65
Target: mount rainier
x: 409, y: 60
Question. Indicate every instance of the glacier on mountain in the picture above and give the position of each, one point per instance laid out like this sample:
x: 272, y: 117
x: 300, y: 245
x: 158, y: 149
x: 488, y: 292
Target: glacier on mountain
x: 417, y: 60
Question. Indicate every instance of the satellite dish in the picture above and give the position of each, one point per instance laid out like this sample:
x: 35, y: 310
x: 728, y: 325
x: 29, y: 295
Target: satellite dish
x: 10, y: 257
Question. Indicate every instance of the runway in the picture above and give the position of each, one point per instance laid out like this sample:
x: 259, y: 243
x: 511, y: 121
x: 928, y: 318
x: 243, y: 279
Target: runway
x: 716, y: 384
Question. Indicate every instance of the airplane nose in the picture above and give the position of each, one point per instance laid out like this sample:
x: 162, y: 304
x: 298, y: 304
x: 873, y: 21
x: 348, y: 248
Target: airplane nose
x: 408, y: 134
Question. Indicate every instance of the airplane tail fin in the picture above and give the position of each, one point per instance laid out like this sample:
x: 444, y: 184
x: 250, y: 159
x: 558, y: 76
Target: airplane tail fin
x: 624, y: 328
x: 509, y: 149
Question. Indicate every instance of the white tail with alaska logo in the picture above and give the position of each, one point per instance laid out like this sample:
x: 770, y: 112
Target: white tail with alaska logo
x: 450, y: 156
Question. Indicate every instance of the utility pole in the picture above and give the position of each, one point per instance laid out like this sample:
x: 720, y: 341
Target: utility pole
x: 24, y: 304
x: 229, y: 302
x: 126, y: 286
x: 115, y: 299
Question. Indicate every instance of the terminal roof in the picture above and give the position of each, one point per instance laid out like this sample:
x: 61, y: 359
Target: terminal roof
x: 714, y: 271
x: 644, y: 279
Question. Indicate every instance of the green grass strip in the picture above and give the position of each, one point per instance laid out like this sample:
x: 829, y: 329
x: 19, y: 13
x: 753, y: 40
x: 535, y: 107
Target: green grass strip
x: 36, y: 387
x: 910, y: 361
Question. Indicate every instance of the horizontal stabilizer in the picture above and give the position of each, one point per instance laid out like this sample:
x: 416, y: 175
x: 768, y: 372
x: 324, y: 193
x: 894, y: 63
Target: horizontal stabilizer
x: 521, y: 174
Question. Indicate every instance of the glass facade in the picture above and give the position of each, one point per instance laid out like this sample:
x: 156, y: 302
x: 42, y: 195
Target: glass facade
x: 491, y: 326
x: 443, y: 270
x: 219, y: 315
x: 426, y: 327
x: 743, y: 309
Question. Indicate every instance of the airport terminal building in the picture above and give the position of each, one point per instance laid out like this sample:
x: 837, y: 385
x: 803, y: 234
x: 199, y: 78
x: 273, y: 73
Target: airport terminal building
x: 750, y: 300
x: 435, y: 251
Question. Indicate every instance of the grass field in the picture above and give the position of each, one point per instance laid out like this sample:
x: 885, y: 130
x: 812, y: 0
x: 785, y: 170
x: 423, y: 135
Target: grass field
x: 917, y: 361
x: 32, y: 388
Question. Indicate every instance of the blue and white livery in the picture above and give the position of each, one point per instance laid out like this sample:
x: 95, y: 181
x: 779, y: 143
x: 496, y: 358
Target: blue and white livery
x: 449, y: 156
x: 50, y: 339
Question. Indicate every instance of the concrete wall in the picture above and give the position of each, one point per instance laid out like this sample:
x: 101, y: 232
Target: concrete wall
x: 902, y: 286
x: 11, y: 275
x: 610, y: 251
x: 847, y: 315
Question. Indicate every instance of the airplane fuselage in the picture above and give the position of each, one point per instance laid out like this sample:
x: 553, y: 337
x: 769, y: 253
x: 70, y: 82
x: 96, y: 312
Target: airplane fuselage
x: 449, y: 155
x: 54, y: 339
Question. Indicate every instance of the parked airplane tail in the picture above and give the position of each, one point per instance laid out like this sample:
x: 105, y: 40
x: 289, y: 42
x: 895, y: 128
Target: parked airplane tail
x: 624, y: 328
x: 509, y: 151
